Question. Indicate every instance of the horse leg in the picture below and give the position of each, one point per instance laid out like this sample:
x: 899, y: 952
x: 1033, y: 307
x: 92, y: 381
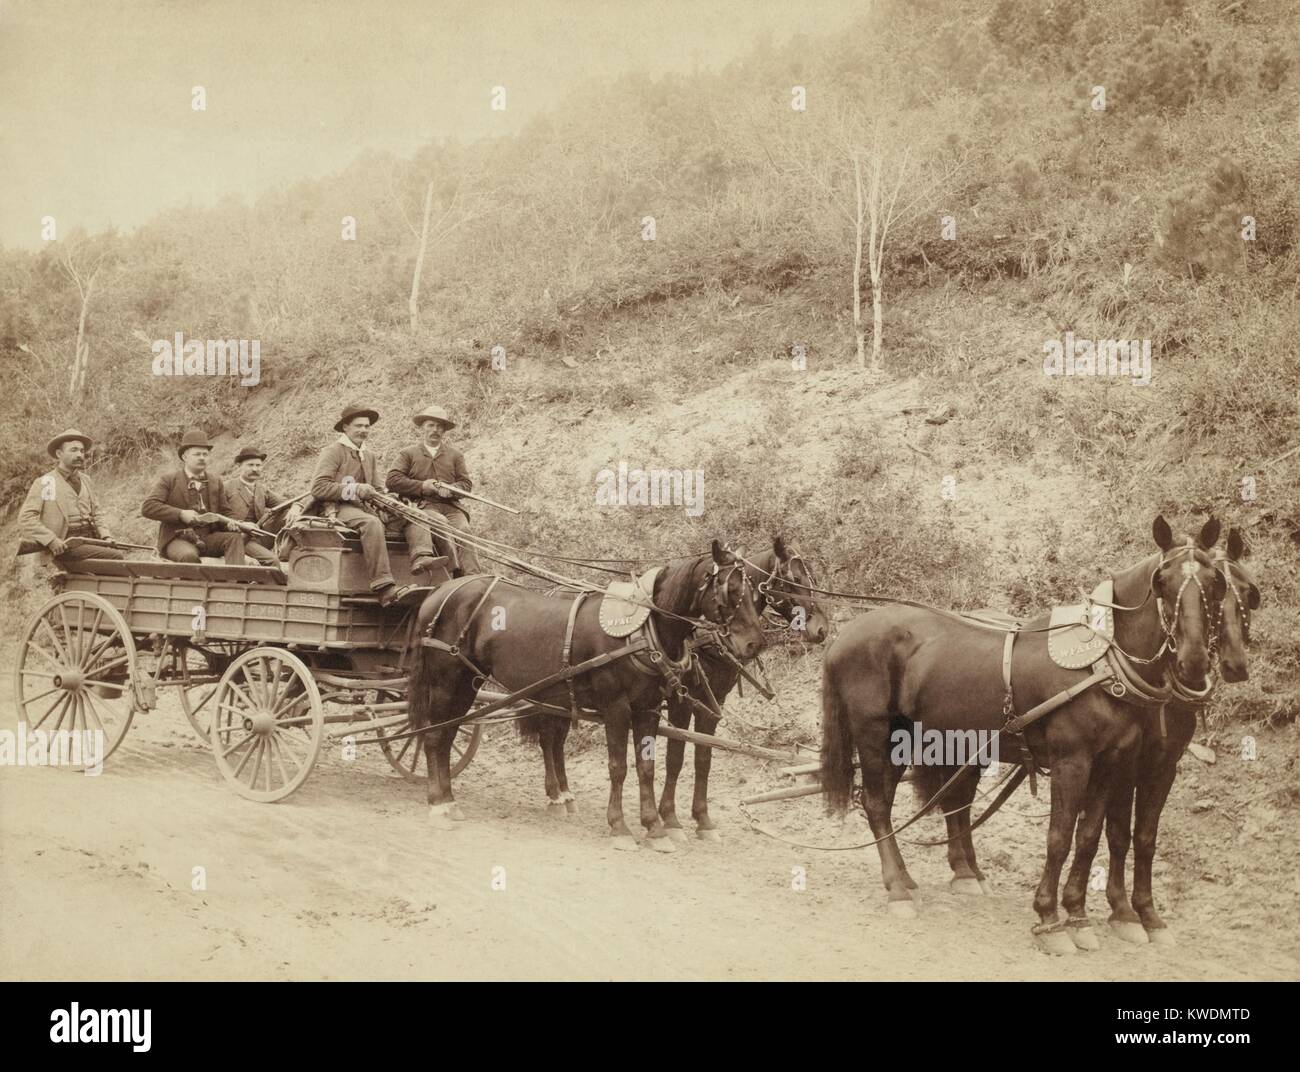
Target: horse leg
x: 1159, y: 765
x: 1070, y: 776
x: 879, y: 780
x: 450, y: 702
x: 644, y: 725
x: 1086, y: 838
x: 966, y: 875
x: 562, y: 727
x: 705, y: 828
x: 545, y: 738
x: 618, y: 721
x: 679, y: 715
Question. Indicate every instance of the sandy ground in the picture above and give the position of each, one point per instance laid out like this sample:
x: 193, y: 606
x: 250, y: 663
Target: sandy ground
x: 346, y: 880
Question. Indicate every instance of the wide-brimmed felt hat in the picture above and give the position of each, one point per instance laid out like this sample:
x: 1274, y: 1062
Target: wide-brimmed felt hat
x: 63, y: 437
x: 350, y: 412
x: 193, y: 438
x: 247, y: 453
x: 434, y: 413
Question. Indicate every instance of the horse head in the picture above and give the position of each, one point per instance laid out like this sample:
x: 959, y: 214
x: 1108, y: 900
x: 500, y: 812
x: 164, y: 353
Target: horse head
x: 727, y: 599
x: 785, y: 587
x: 1188, y: 591
x: 1241, y: 597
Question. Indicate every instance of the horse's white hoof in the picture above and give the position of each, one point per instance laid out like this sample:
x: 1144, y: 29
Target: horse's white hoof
x: 440, y: 817
x: 624, y: 842
x: 571, y: 805
x: 1129, y: 932
x: 1162, y: 936
x: 661, y: 844
x: 556, y: 803
x: 902, y: 909
x: 708, y: 833
x: 966, y: 887
x: 676, y: 833
x: 1084, y: 937
x: 568, y: 797
x: 1058, y: 943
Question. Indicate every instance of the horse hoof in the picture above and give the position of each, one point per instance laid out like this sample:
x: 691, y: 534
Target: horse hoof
x: 552, y: 804
x: 625, y: 842
x: 902, y: 909
x: 661, y: 844
x: 708, y: 833
x: 1161, y: 936
x: 571, y: 805
x: 1084, y: 937
x: 1129, y: 932
x: 967, y: 887
x: 440, y: 817
x: 676, y: 833
x: 1057, y: 943
x: 985, y: 888
x: 568, y: 797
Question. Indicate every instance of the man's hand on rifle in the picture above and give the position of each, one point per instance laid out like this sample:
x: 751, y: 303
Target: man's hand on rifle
x: 364, y: 491
x: 189, y: 517
x: 56, y: 546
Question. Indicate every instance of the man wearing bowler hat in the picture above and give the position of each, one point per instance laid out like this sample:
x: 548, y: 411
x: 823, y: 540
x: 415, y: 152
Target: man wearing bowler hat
x: 249, y: 498
x: 345, y: 479
x: 61, y: 505
x: 417, y: 474
x: 179, y: 502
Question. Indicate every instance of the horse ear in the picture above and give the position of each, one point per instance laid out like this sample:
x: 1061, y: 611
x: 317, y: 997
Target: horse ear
x: 1164, y: 536
x: 778, y: 545
x: 720, y: 554
x: 1236, y: 545
x: 1252, y: 598
x: 1209, y: 534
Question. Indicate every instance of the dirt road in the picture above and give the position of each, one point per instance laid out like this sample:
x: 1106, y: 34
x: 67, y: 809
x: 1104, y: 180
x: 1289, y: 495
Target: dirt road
x: 347, y: 881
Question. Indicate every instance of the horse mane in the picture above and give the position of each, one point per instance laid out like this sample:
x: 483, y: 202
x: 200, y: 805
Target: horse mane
x: 676, y: 586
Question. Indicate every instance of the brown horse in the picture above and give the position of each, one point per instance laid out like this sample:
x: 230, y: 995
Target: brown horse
x: 1162, y: 746
x: 904, y: 665
x: 517, y: 637
x: 781, y: 581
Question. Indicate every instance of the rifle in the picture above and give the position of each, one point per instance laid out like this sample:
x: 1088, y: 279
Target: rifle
x: 288, y: 502
x: 248, y: 527
x: 121, y: 545
x: 452, y: 491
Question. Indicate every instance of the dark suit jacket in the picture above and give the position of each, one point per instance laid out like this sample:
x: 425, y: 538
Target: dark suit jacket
x: 171, y: 495
x: 249, y: 508
x: 413, y: 465
x: 335, y: 462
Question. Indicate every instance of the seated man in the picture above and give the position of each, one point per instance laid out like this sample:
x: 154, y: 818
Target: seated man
x: 251, y: 500
x: 185, y: 503
x: 343, y: 482
x: 428, y: 473
x: 61, y: 505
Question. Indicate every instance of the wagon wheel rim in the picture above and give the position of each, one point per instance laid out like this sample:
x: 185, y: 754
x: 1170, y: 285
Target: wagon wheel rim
x: 77, y: 673
x: 267, y: 724
x: 198, y: 685
x: 406, y: 756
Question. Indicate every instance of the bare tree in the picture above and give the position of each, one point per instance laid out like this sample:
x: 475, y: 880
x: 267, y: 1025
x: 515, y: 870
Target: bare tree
x: 82, y: 266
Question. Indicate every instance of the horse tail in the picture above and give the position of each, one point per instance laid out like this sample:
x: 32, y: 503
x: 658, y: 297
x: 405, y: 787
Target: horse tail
x: 530, y: 728
x: 837, y: 744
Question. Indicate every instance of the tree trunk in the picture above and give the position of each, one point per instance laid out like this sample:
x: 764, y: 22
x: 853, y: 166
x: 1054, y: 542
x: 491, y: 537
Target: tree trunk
x: 875, y: 254
x: 857, y: 267
x: 81, y: 358
x: 414, y: 303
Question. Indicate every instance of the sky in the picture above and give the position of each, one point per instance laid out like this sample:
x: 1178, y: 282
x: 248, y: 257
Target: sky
x: 97, y: 127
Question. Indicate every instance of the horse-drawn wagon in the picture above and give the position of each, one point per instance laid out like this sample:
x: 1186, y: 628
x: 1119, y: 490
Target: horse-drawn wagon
x: 267, y: 664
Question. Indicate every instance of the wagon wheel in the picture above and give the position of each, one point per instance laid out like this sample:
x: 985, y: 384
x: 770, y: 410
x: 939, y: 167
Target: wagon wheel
x: 407, y: 756
x: 199, y: 673
x: 268, y: 724
x: 77, y: 670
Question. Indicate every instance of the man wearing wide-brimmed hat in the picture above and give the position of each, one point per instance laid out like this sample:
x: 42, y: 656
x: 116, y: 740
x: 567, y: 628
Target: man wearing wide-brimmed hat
x: 181, y: 499
x: 426, y: 473
x: 250, y: 499
x: 344, y: 481
x: 61, y: 505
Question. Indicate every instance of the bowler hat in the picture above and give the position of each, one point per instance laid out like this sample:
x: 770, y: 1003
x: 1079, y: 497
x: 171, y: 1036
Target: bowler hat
x: 193, y: 438
x: 245, y: 453
x: 349, y: 412
x: 434, y: 413
x: 63, y: 437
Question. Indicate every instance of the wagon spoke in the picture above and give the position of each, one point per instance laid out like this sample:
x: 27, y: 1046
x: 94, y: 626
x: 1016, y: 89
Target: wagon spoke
x: 62, y: 659
x: 247, y: 755
x: 112, y: 664
x: 67, y: 635
x: 276, y: 751
x: 48, y: 710
x: 238, y: 690
x: 243, y: 740
x: 94, y: 712
x: 63, y: 711
x: 92, y: 635
x: 38, y: 673
x: 41, y: 695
